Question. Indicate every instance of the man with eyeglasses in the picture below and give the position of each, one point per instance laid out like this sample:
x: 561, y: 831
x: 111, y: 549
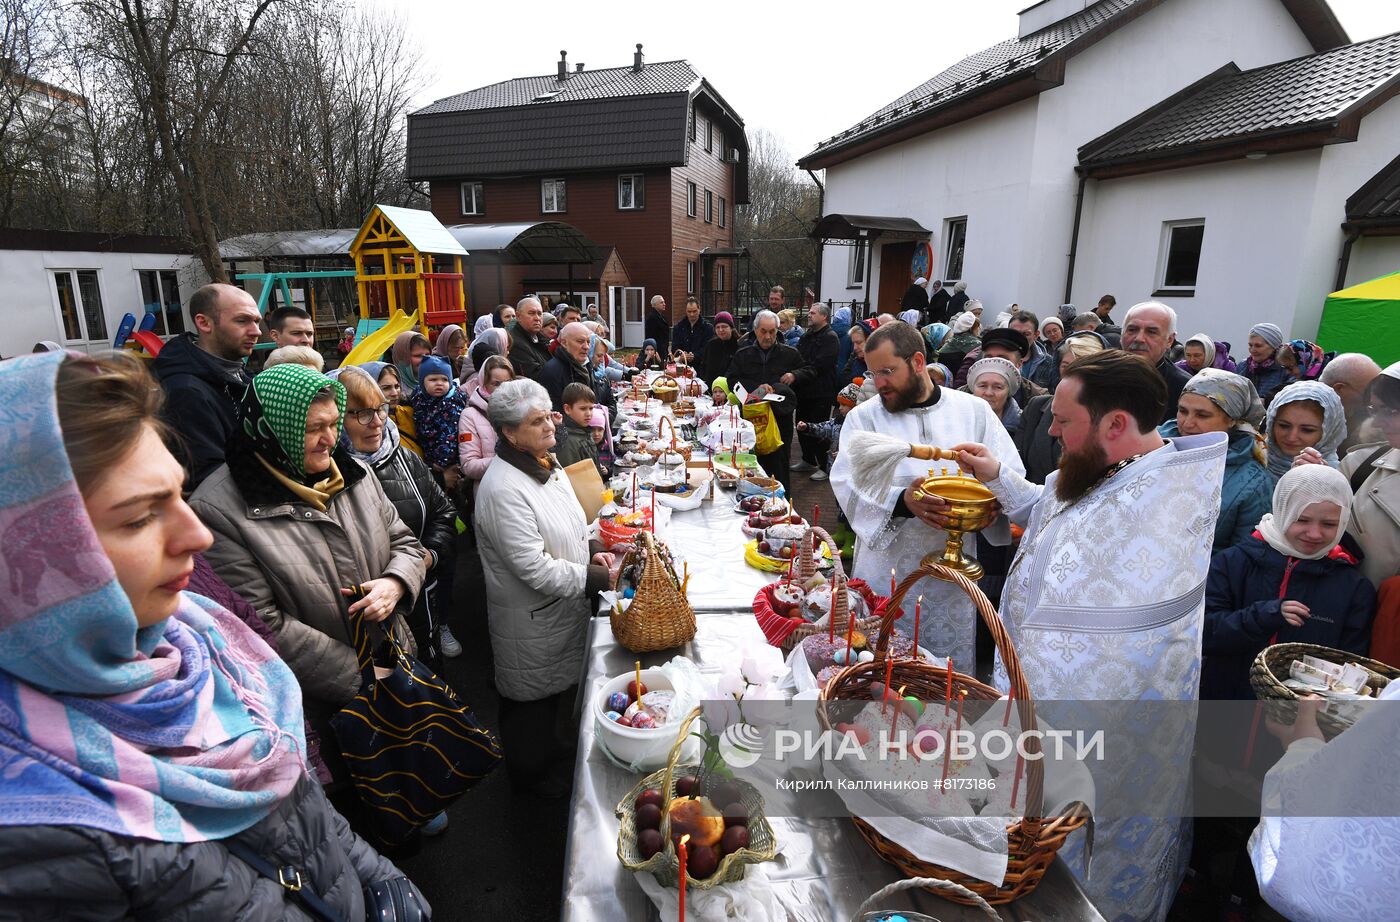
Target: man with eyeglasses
x: 1350, y: 374
x: 896, y: 530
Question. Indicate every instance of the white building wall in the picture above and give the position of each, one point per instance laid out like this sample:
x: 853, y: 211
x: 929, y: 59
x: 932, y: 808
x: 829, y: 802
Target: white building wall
x: 32, y: 312
x: 1371, y: 258
x: 1012, y: 171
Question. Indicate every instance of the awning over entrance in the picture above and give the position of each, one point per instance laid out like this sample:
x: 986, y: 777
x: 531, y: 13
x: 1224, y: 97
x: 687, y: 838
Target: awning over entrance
x: 528, y: 243
x: 834, y: 228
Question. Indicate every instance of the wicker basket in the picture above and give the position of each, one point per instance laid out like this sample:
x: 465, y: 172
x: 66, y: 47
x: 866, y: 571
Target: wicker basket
x: 665, y: 864
x: 660, y: 616
x: 666, y: 389
x: 1271, y: 666
x: 1031, y: 841
x: 773, y: 624
x: 684, y: 449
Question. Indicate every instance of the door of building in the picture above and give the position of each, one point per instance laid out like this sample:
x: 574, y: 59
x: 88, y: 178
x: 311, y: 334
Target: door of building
x: 895, y: 259
x: 633, y: 302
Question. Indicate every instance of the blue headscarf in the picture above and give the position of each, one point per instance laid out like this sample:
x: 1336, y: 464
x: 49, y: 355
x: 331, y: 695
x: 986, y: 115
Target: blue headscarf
x: 187, y: 730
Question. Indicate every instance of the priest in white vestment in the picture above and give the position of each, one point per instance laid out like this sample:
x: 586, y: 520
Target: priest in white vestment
x: 894, y: 531
x: 1105, y: 603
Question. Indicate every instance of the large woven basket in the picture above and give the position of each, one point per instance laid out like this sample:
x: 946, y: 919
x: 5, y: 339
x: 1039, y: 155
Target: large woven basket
x: 683, y: 448
x: 1271, y: 666
x: 765, y: 613
x: 660, y: 616
x: 666, y: 389
x: 665, y: 864
x: 1031, y: 841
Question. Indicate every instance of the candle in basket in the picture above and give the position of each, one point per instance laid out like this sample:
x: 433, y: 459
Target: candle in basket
x: 685, y: 839
x: 850, y: 622
x: 1010, y: 697
x: 889, y: 668
x: 948, y: 688
x: 918, y: 603
x: 892, y: 585
x: 1016, y: 782
x: 962, y: 696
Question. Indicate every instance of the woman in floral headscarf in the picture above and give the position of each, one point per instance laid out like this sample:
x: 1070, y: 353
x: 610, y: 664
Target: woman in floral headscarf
x: 297, y: 523
x: 144, y: 727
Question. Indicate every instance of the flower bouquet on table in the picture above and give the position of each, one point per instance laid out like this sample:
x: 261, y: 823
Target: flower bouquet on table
x: 888, y: 695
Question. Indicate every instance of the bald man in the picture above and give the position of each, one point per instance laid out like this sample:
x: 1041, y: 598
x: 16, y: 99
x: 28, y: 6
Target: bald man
x: 1349, y: 374
x: 568, y: 365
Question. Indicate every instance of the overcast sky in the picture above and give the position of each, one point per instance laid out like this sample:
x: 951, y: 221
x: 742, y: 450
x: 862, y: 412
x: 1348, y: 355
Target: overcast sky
x: 801, y: 71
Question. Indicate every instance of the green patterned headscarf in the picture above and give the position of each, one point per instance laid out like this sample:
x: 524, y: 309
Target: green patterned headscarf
x: 274, y: 410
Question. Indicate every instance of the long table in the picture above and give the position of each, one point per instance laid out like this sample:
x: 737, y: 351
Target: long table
x: 825, y: 870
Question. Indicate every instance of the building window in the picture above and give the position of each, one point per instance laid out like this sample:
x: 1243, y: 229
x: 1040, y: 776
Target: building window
x: 690, y: 277
x: 1180, y: 258
x: 690, y: 199
x: 719, y: 277
x: 473, y: 202
x: 80, y: 305
x: 855, y: 267
x: 723, y: 213
x: 160, y: 293
x: 553, y: 199
x: 709, y: 136
x: 631, y: 191
x: 955, y: 233
x: 693, y: 117
x: 709, y: 207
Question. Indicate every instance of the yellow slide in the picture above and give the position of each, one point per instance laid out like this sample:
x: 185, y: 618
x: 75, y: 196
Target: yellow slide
x: 373, y: 346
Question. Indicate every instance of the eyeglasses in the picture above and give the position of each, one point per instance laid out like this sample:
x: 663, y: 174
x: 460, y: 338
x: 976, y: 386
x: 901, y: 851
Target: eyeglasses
x: 1384, y: 412
x: 369, y: 414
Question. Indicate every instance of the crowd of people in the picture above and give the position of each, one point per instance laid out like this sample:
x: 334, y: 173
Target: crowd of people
x: 1253, y: 500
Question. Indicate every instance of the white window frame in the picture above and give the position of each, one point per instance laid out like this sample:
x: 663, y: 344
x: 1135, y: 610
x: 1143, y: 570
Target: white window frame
x: 719, y: 277
x: 1169, y: 228
x: 637, y: 182
x: 709, y: 136
x: 557, y: 192
x: 690, y: 277
x: 478, y: 204
x: 855, y: 265
x: 709, y: 207
x: 949, y: 227
x: 691, y: 197
x: 723, y: 212
x: 81, y: 313
x: 163, y: 314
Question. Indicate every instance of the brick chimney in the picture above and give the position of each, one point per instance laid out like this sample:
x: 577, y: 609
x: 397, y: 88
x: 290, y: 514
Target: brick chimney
x: 637, y: 59
x: 578, y: 68
x: 563, y: 65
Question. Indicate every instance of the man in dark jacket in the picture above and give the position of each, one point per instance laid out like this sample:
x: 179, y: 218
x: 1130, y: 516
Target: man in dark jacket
x: 203, y: 376
x: 1004, y: 343
x: 815, y: 385
x: 691, y: 334
x: 1149, y: 329
x: 658, y: 326
x: 938, y: 303
x: 760, y: 368
x: 916, y: 298
x: 529, y: 348
x: 568, y: 364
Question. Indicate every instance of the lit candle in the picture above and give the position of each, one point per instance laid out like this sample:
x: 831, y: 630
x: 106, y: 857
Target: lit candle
x: 1016, y: 782
x: 1010, y: 697
x: 962, y: 696
x: 918, y: 603
x: 892, y: 585
x: 889, y: 668
x: 684, y: 840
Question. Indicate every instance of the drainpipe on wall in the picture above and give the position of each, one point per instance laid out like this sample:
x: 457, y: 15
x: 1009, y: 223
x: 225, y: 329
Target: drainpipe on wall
x: 1353, y: 234
x: 1074, y: 236
x: 821, y: 212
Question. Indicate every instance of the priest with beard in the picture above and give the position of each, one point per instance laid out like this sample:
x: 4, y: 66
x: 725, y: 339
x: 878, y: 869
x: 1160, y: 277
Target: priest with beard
x: 1105, y: 603
x: 895, y: 530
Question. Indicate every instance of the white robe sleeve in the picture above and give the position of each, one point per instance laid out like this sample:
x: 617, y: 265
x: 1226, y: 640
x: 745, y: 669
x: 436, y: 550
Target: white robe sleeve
x: 871, y: 521
x: 1017, y: 495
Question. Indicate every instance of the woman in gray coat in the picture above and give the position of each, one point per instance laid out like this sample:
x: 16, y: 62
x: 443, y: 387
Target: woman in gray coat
x: 148, y: 735
x: 297, y: 524
x: 540, y: 572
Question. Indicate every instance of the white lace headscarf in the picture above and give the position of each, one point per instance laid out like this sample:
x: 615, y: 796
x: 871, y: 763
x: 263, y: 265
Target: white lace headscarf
x: 1297, y: 490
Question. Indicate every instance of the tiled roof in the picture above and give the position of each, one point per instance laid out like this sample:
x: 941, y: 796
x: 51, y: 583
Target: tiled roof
x: 607, y: 83
x: 1012, y: 58
x: 1378, y: 201
x: 1231, y: 105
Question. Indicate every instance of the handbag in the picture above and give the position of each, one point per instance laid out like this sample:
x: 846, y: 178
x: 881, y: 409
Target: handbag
x: 392, y: 899
x: 765, y: 427
x: 411, y: 745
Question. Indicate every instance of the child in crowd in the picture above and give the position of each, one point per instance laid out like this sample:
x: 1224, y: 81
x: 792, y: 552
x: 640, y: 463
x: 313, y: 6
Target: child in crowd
x: 602, y: 437
x: 437, y: 407
x: 649, y: 358
x: 575, y: 441
x: 830, y: 431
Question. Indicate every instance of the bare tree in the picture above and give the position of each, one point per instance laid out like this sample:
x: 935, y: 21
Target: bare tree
x: 783, y: 206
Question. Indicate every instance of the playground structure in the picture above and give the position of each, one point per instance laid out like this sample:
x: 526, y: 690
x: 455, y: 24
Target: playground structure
x: 401, y: 274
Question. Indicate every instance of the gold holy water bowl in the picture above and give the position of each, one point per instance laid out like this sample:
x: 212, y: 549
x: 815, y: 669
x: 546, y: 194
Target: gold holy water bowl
x: 971, y: 509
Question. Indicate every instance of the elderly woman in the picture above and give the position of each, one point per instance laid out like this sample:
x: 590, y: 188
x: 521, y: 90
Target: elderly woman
x: 1200, y: 351
x: 1303, y: 415
x: 145, y: 726
x: 371, y: 437
x: 995, y: 380
x: 1262, y: 367
x: 936, y: 334
x: 1219, y: 401
x: 407, y: 353
x: 297, y: 523
x: 540, y: 572
x: 855, y: 362
x: 1052, y: 330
